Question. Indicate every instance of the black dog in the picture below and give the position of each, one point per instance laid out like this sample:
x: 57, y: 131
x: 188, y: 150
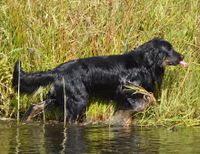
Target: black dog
x: 102, y: 77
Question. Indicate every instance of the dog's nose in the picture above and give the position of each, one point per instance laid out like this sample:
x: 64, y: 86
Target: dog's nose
x: 181, y: 57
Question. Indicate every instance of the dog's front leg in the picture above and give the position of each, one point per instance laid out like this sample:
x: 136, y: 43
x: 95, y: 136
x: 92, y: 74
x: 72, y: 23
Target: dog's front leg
x: 141, y: 104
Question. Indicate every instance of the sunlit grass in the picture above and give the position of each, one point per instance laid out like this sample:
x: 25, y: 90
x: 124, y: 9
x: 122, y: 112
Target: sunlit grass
x: 99, y: 111
x: 44, y: 34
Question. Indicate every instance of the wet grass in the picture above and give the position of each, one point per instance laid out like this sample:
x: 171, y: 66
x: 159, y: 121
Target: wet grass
x: 45, y: 33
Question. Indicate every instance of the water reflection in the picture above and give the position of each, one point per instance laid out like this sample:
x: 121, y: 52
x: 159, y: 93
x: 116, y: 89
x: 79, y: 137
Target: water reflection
x: 53, y: 138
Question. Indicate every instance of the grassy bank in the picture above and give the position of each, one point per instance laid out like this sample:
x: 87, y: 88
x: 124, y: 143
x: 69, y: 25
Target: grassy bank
x: 46, y: 33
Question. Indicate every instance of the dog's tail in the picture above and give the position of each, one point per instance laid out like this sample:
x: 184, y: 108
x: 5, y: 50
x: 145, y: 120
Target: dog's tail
x: 30, y: 82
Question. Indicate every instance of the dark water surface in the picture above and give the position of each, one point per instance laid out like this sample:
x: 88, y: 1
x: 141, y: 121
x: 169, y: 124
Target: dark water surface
x: 52, y: 138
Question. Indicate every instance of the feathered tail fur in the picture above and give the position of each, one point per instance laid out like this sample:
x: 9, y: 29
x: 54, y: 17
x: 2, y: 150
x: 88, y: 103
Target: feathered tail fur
x: 30, y: 82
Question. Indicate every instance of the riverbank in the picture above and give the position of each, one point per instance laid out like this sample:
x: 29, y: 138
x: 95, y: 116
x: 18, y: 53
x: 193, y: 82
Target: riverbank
x: 45, y: 34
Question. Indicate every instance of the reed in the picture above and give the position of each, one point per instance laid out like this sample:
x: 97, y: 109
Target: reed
x: 43, y: 109
x: 65, y: 103
x: 47, y: 33
x: 18, y: 95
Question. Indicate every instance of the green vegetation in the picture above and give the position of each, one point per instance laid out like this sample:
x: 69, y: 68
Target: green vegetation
x: 46, y: 33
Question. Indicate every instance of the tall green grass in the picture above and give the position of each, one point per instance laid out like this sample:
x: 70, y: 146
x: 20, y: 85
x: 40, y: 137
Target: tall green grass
x: 46, y: 33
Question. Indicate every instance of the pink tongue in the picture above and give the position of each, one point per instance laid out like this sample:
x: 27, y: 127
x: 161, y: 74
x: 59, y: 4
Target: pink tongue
x: 183, y: 63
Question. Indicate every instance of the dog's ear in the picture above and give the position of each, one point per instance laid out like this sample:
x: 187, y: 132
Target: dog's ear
x: 149, y: 57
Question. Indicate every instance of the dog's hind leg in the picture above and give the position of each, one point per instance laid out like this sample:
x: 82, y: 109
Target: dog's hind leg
x: 76, y: 103
x: 76, y: 98
x: 77, y: 108
x: 36, y: 109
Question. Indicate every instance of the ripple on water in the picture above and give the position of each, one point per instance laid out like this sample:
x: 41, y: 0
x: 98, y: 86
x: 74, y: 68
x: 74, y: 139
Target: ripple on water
x: 52, y: 138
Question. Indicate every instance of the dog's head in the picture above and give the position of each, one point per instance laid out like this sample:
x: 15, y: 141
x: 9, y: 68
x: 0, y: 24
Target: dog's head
x: 161, y: 52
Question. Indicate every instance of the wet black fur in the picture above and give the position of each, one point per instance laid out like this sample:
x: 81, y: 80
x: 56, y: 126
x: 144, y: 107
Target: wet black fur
x: 103, y: 77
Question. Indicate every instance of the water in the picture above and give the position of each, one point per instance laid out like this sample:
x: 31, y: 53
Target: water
x: 52, y: 138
